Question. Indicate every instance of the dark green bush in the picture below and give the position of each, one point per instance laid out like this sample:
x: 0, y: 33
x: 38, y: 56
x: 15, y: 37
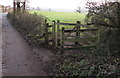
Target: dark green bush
x: 88, y: 65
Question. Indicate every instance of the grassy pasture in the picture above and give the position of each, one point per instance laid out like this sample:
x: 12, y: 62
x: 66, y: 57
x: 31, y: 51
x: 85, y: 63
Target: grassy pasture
x: 65, y: 17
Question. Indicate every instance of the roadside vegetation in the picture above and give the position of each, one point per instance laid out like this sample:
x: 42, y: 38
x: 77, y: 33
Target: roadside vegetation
x: 31, y: 26
x: 101, y: 60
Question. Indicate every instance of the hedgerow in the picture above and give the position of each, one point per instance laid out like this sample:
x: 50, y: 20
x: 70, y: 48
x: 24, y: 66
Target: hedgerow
x: 30, y: 25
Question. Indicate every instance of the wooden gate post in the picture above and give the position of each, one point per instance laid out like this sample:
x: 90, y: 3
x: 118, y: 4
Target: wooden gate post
x: 61, y: 39
x: 46, y: 31
x: 53, y: 33
x: 78, y: 32
x: 58, y: 34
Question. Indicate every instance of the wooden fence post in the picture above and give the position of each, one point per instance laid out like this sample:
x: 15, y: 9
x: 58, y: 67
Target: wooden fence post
x: 58, y: 34
x: 61, y: 40
x: 53, y: 33
x: 78, y: 32
x: 46, y: 31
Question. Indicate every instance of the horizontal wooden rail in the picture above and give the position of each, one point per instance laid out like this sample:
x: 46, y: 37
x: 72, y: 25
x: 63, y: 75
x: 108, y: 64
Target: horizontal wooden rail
x: 80, y: 39
x: 81, y: 30
x: 87, y: 26
x: 69, y: 45
x: 49, y: 32
x: 78, y: 47
x: 66, y: 24
x: 49, y: 25
x: 72, y: 36
x: 50, y: 40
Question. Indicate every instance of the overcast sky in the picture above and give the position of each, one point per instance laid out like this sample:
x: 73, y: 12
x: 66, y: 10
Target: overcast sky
x: 61, y: 4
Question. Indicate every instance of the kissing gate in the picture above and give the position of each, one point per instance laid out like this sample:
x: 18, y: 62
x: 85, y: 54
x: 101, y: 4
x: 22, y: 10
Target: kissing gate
x: 70, y: 35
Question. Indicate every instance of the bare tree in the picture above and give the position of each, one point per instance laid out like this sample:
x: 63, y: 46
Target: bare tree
x: 38, y: 8
x: 49, y: 9
x: 78, y: 10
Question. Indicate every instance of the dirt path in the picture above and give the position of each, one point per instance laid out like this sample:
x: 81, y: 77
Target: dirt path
x: 0, y: 45
x: 18, y: 58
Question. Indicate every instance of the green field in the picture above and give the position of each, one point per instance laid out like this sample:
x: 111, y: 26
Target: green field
x: 65, y: 17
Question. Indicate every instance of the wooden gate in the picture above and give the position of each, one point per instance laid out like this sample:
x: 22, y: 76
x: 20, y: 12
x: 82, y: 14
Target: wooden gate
x: 70, y: 35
